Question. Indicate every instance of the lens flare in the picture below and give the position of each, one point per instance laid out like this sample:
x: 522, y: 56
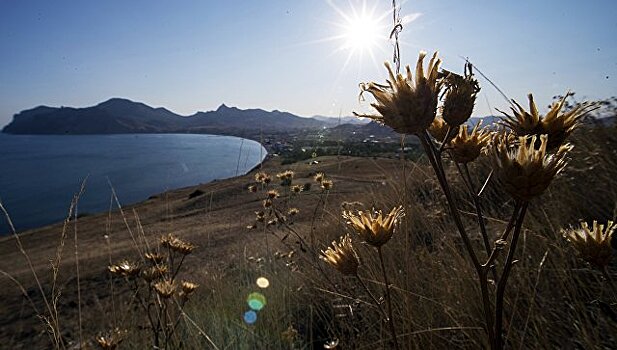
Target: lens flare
x: 263, y: 283
x: 250, y: 317
x: 256, y: 301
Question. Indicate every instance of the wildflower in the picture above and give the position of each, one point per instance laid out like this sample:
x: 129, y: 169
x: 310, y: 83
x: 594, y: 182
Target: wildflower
x: 154, y: 272
x: 593, y: 245
x: 188, y: 287
x: 273, y: 194
x: 406, y: 105
x: 439, y: 129
x: 293, y: 211
x: 260, y: 216
x: 267, y: 203
x: 176, y: 244
x: 125, y: 269
x: 460, y: 96
x: 556, y: 124
x: 252, y: 188
x: 467, y: 147
x: 342, y: 256
x: 526, y: 171
x: 319, y: 177
x: 296, y: 188
x: 263, y: 178
x: 165, y: 288
x: 111, y: 340
x: 155, y: 258
x: 286, y: 177
x: 373, y: 227
x: 326, y: 185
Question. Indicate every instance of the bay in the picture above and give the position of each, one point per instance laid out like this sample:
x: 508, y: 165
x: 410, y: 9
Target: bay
x: 39, y: 174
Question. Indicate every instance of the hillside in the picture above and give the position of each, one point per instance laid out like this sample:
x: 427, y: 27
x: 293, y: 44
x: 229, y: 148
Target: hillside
x: 121, y: 116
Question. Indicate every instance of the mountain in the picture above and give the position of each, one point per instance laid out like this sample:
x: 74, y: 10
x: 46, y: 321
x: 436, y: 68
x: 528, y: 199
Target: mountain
x: 121, y: 116
x: 335, y: 121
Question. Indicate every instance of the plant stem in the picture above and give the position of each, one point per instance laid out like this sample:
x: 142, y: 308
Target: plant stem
x: 388, y: 299
x: 368, y: 291
x: 609, y: 281
x: 501, y: 286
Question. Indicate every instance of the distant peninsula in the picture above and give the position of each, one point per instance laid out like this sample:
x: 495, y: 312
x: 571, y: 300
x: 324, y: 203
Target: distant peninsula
x: 123, y: 116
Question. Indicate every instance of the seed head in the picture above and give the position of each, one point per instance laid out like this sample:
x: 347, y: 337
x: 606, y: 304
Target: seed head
x: 263, y: 178
x: 342, y: 256
x: 467, y: 147
x: 293, y: 211
x: 526, y: 170
x: 556, y: 124
x: 373, y: 227
x: 165, y: 288
x: 273, y: 194
x: 439, y: 129
x: 326, y: 185
x: 252, y: 188
x: 319, y: 177
x: 176, y: 244
x: 155, y: 258
x: 267, y: 203
x: 460, y: 96
x: 125, y: 268
x: 188, y: 287
x: 593, y: 245
x: 296, y: 188
x: 111, y: 340
x: 286, y: 177
x: 405, y: 104
x: 153, y: 273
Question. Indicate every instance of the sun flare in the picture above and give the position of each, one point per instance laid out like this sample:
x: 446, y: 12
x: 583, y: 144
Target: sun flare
x: 361, y: 32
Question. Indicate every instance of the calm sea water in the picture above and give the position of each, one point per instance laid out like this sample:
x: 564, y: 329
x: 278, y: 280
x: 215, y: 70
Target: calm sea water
x: 40, y: 174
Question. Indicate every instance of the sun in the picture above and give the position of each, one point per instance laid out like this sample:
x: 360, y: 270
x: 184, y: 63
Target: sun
x: 362, y: 32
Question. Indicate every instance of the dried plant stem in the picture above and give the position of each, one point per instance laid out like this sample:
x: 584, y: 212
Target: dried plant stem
x: 501, y: 286
x: 368, y: 291
x: 388, y: 299
x: 609, y: 281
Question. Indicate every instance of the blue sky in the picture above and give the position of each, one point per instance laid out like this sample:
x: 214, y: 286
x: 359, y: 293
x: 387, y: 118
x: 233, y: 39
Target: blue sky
x: 195, y: 55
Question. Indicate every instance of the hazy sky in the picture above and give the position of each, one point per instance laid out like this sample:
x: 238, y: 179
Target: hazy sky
x: 194, y: 55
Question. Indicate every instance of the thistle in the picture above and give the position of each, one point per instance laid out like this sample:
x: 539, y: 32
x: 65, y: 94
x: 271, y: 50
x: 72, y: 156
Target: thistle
x: 154, y: 258
x: 342, y: 256
x: 466, y: 147
x: 372, y: 226
x: 326, y: 185
x: 176, y: 244
x: 165, y: 289
x: 154, y: 272
x: 460, y: 96
x: 263, y: 178
x: 593, y: 245
x: 285, y: 177
x: 439, y: 130
x: 405, y: 104
x: 556, y: 124
x: 526, y: 170
x: 188, y: 287
x: 125, y: 268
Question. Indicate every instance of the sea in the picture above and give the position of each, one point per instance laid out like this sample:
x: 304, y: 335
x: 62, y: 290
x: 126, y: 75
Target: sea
x: 40, y: 174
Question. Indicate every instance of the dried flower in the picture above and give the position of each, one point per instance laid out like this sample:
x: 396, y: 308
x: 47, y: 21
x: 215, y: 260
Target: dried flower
x: 252, y: 188
x: 326, y: 185
x: 439, y: 129
x: 286, y: 177
x: 165, y: 288
x: 556, y: 124
x: 267, y: 203
x: 342, y: 256
x: 273, y: 194
x: 296, y: 188
x: 593, y: 245
x: 188, y: 287
x: 460, y: 96
x: 260, y: 216
x: 290, y: 334
x: 525, y: 171
x: 293, y: 211
x: 176, y: 244
x: 467, y: 147
x: 263, y: 178
x: 111, y: 340
x: 154, y: 272
x: 373, y: 227
x: 125, y: 268
x: 406, y: 105
x: 319, y: 177
x: 155, y: 258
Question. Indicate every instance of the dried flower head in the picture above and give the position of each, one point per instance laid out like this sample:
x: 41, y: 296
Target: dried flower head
x: 319, y: 177
x: 260, y: 216
x: 439, y: 129
x: 252, y: 188
x: 188, y: 287
x: 460, y: 96
x: 342, y: 256
x: 326, y: 185
x: 290, y: 334
x: 373, y: 227
x: 286, y: 177
x: 177, y: 245
x: 111, y: 340
x: 593, y: 245
x: 526, y: 170
x: 267, y: 203
x: 165, y: 288
x: 556, y: 124
x: 155, y: 257
x: 263, y: 178
x: 466, y: 147
x: 407, y: 105
x: 125, y: 268
x: 273, y: 194
x: 153, y: 273
x: 293, y: 211
x: 296, y: 188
